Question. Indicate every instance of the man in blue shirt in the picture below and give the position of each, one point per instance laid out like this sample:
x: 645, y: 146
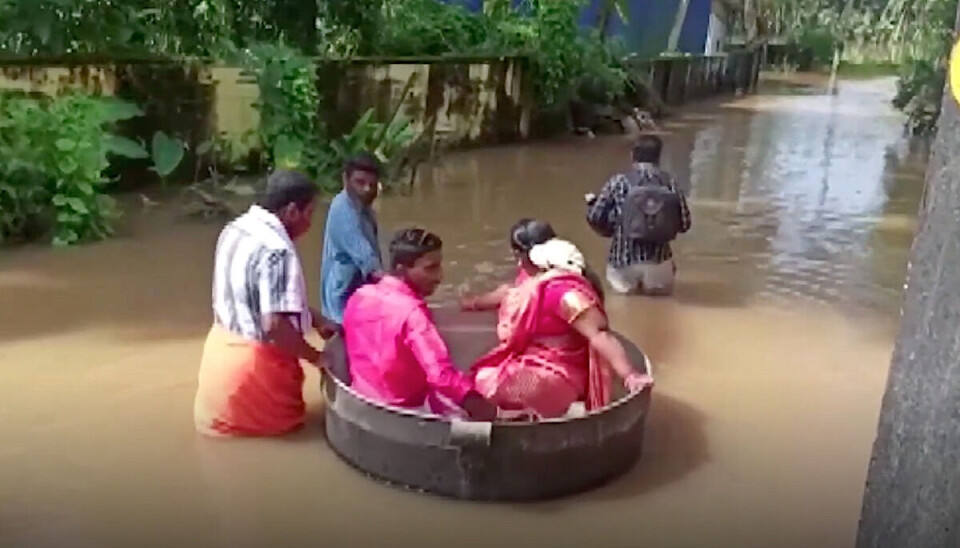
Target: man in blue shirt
x: 351, y: 252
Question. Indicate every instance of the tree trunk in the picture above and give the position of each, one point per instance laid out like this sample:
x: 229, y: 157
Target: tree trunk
x: 750, y: 20
x: 678, y: 21
x: 603, y: 16
x: 834, y: 69
x: 912, y: 496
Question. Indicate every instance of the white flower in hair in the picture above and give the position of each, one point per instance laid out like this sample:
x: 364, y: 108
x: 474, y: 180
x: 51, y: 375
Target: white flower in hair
x: 557, y: 253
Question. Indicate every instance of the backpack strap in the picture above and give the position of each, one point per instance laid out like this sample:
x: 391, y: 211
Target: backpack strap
x: 633, y: 178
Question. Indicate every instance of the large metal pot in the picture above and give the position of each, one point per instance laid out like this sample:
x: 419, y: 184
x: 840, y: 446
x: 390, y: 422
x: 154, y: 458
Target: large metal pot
x: 482, y: 460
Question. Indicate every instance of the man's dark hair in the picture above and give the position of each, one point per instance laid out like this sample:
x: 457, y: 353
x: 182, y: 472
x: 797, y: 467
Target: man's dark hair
x: 647, y: 149
x: 528, y: 233
x: 410, y: 244
x: 362, y: 162
x: 285, y: 187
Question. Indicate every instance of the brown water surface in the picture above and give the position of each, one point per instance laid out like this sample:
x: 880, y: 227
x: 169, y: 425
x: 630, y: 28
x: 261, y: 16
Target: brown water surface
x: 771, y: 359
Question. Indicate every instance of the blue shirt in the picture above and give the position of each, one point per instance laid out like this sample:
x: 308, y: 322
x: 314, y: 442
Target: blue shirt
x: 351, y: 253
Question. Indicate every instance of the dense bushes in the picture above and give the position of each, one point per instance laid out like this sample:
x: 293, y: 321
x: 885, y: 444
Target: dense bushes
x: 54, y: 152
x: 563, y: 56
x: 53, y: 155
x: 924, y: 71
x: 291, y: 133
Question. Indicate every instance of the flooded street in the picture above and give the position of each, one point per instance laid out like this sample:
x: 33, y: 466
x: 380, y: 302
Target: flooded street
x: 771, y: 359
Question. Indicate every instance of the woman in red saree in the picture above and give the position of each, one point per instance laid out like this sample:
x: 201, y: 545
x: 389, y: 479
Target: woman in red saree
x: 555, y: 345
x: 525, y: 234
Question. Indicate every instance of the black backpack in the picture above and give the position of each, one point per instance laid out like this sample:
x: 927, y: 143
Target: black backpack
x: 651, y: 212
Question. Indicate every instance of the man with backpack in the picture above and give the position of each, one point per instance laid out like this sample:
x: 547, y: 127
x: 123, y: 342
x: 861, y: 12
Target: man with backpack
x: 642, y: 211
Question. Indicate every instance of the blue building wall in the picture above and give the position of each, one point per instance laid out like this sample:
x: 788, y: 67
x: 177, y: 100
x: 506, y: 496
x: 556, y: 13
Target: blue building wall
x: 472, y: 5
x: 693, y: 36
x: 647, y: 30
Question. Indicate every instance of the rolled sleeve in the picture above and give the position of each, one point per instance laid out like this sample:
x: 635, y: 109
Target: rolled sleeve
x: 280, y: 284
x: 430, y: 350
x: 604, y: 211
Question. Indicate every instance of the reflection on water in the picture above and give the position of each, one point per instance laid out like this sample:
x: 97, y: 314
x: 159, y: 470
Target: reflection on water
x: 808, y: 197
x: 761, y: 424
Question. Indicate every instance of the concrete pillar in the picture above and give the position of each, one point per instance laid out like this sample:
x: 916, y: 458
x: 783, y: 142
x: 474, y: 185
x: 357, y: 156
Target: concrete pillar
x: 912, y: 497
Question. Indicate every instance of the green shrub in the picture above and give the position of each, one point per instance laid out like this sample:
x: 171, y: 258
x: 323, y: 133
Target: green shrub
x: 919, y: 95
x: 289, y: 130
x: 292, y: 135
x: 563, y: 56
x: 53, y: 154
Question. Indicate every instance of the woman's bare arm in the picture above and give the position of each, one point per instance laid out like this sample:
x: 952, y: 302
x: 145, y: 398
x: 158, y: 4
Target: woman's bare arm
x: 593, y: 325
x: 487, y: 301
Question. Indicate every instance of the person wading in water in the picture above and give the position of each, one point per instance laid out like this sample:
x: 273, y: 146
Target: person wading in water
x: 642, y: 211
x: 351, y: 250
x: 250, y: 379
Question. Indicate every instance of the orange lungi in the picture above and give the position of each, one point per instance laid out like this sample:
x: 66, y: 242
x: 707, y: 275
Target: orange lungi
x: 247, y: 388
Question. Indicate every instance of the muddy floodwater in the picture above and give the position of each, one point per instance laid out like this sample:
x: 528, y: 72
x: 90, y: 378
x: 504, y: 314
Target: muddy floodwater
x: 771, y: 359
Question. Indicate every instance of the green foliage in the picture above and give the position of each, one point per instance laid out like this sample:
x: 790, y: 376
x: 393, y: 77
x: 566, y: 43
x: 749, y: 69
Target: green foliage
x: 291, y: 133
x: 430, y: 27
x: 558, y: 50
x: 920, y: 87
x: 289, y: 129
x: 563, y: 57
x: 919, y: 95
x: 71, y: 26
x: 350, y: 26
x: 226, y: 153
x: 167, y: 154
x: 916, y: 34
x: 53, y: 154
x: 174, y: 27
x: 389, y: 142
x: 818, y: 45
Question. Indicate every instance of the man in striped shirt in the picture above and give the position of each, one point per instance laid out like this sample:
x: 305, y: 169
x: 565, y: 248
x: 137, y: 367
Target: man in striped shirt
x: 250, y: 380
x: 636, y: 265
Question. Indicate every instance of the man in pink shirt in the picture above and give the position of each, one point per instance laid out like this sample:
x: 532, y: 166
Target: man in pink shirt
x: 396, y: 354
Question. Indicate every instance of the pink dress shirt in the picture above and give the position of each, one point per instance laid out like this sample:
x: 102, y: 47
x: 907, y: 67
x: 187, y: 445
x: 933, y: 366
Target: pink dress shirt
x: 396, y: 354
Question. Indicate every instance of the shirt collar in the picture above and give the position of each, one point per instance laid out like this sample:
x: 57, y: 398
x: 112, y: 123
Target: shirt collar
x: 259, y: 214
x: 394, y: 283
x: 355, y: 203
x: 644, y: 165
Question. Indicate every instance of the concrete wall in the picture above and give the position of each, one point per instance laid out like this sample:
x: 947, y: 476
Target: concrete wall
x: 693, y: 34
x: 678, y: 80
x: 459, y: 101
x: 456, y: 101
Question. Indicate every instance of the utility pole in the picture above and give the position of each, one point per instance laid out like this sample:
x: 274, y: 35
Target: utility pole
x: 677, y: 28
x: 912, y: 497
x: 750, y: 21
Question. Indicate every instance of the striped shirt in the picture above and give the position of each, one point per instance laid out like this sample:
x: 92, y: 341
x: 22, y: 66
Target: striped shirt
x: 257, y: 272
x: 607, y: 211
